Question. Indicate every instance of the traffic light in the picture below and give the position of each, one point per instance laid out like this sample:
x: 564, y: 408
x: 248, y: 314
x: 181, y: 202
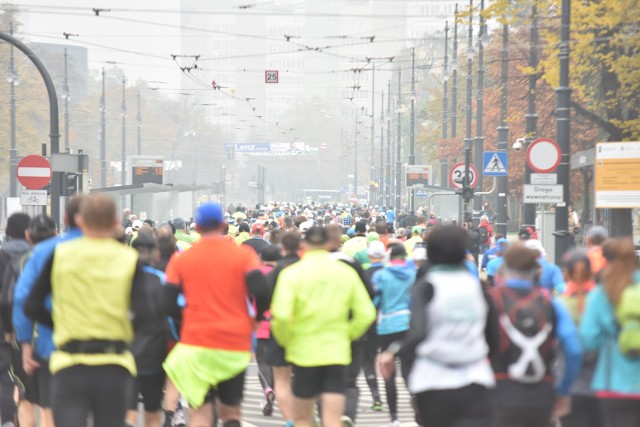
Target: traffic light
x: 69, y: 184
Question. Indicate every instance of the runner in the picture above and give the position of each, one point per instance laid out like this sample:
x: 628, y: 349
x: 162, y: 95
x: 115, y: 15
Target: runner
x: 149, y: 346
x: 217, y: 278
x: 377, y: 253
x: 257, y: 241
x: 585, y: 410
x: 453, y: 330
x: 92, y: 367
x: 14, y: 248
x: 275, y: 357
x: 317, y: 340
x: 551, y: 276
x: 36, y: 340
x: 393, y: 285
x: 609, y: 319
x: 531, y: 321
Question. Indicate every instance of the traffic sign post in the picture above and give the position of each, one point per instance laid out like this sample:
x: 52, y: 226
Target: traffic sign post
x: 34, y: 172
x: 494, y: 163
x: 33, y: 197
x: 456, y: 176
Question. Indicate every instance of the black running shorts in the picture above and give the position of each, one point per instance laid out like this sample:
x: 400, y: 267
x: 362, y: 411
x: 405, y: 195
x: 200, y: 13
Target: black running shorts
x: 309, y: 382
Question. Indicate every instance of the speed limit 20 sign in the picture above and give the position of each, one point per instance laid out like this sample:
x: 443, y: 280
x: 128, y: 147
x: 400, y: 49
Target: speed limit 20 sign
x: 271, y: 76
x: 456, y: 176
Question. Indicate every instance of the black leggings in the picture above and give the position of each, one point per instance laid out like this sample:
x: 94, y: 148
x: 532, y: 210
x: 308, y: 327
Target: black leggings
x: 103, y: 391
x: 462, y: 407
x: 390, y: 384
x: 369, y: 363
x: 265, y: 374
x: 620, y: 412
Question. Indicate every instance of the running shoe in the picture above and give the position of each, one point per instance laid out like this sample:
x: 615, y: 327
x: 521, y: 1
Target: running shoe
x: 395, y: 423
x: 377, y: 406
x: 347, y: 422
x: 267, y: 407
x: 178, y: 419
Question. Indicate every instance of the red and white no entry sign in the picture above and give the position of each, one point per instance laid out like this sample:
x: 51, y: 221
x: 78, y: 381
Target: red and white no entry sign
x: 543, y: 155
x: 34, y: 172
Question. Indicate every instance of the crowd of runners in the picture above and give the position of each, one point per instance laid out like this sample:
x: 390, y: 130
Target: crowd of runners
x: 483, y: 328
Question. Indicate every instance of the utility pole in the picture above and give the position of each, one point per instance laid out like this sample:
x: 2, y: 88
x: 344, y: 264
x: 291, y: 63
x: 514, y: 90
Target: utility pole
x: 531, y: 117
x: 389, y: 178
x: 399, y: 147
x: 123, y: 154
x: 479, y: 139
x: 412, y: 131
x: 381, y: 189
x: 139, y: 126
x: 355, y: 154
x: 372, y: 168
x: 444, y: 173
x: 66, y: 96
x: 503, y: 131
x: 454, y: 85
x: 563, y: 132
x: 467, y: 192
x: 13, y: 160
x: 103, y: 135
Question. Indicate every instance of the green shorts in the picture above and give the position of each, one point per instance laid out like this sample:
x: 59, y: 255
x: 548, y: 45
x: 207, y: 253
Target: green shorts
x: 196, y: 370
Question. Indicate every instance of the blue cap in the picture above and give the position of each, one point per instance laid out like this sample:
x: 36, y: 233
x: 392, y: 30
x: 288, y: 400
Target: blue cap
x: 209, y: 214
x: 502, y: 242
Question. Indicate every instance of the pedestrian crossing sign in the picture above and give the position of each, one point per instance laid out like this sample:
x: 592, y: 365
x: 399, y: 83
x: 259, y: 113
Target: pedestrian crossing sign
x: 495, y: 163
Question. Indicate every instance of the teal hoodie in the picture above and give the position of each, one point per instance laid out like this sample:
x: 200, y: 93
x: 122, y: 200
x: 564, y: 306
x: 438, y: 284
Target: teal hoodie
x: 599, y: 332
x: 393, y: 297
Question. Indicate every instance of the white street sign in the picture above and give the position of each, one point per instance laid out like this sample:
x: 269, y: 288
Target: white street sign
x: 543, y: 194
x: 33, y: 197
x: 544, y: 178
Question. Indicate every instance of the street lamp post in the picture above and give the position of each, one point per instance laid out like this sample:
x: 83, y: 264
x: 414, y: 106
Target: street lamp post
x: 563, y: 132
x: 399, y: 143
x: 66, y: 96
x: 412, y: 124
x: 13, y: 82
x: 372, y: 169
x: 389, y: 184
x: 531, y: 117
x: 381, y: 189
x: 123, y: 153
x: 355, y: 155
x: 139, y: 126
x: 54, y: 124
x: 103, y: 135
x: 467, y: 190
x: 454, y: 78
x: 479, y: 139
x: 444, y: 173
x: 503, y: 132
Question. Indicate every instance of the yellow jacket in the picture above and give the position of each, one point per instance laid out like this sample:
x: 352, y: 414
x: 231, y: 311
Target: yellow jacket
x: 319, y: 306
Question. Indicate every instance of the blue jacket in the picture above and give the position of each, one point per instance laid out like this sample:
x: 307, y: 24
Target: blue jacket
x: 567, y: 334
x: 487, y: 256
x: 494, y: 265
x: 599, y: 332
x: 30, y: 273
x: 393, y: 297
x: 551, y: 276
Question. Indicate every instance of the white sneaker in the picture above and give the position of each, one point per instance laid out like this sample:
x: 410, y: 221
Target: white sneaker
x: 395, y: 423
x: 179, y: 419
x: 347, y: 422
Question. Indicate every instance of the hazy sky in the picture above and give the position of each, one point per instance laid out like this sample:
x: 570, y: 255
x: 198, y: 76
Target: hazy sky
x: 113, y: 36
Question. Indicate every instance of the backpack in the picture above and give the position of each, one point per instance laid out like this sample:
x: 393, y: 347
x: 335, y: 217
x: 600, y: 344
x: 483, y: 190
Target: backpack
x: 527, y: 339
x: 628, y: 317
x: 10, y: 273
x: 483, y: 234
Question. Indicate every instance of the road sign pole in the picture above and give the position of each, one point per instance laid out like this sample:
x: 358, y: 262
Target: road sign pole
x: 503, y: 133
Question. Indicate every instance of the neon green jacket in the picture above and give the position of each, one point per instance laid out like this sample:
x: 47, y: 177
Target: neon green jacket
x: 311, y: 307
